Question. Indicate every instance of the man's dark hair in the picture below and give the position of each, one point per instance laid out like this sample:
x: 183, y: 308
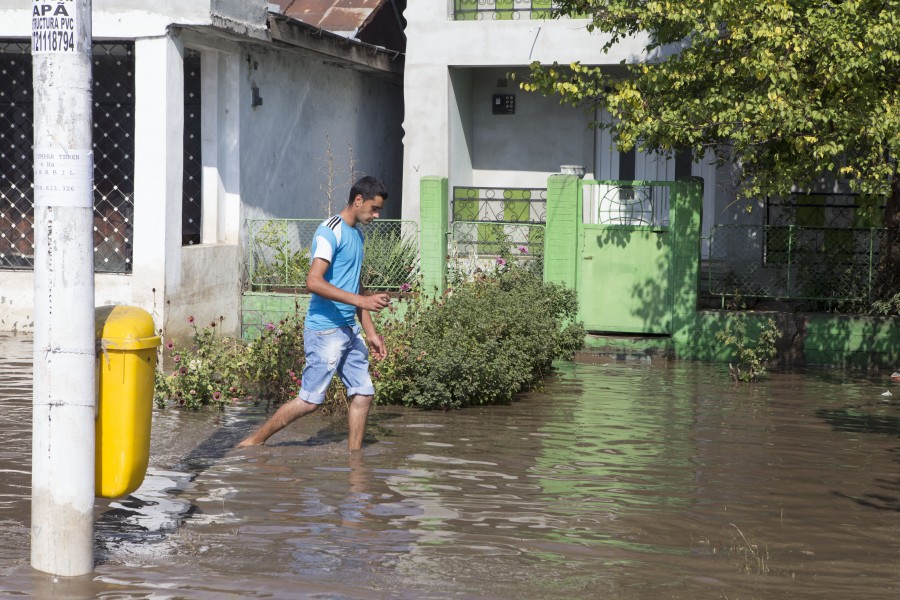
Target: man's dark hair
x: 368, y: 187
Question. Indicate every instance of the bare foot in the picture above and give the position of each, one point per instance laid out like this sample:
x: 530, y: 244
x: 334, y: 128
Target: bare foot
x: 248, y: 442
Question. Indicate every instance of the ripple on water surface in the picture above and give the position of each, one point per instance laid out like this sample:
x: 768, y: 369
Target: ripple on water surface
x: 613, y: 481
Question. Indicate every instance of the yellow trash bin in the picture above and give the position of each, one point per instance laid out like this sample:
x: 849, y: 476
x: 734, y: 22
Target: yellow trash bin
x: 126, y: 364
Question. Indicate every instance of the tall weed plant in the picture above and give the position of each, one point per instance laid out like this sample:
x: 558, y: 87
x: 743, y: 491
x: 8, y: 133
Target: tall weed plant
x: 749, y: 356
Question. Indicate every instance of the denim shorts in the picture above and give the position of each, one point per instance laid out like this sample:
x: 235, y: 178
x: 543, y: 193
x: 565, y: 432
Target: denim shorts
x: 341, y: 350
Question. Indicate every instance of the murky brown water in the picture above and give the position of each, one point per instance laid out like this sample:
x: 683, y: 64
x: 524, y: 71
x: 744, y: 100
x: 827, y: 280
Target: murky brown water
x: 617, y: 481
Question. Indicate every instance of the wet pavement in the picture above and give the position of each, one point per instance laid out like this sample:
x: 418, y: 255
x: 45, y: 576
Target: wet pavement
x: 616, y: 481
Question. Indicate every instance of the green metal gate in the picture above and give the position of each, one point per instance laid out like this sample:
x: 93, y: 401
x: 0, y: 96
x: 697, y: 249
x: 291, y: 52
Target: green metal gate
x: 624, y: 267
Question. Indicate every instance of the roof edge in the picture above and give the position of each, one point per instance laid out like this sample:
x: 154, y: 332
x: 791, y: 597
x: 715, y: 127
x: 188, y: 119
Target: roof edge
x: 352, y: 52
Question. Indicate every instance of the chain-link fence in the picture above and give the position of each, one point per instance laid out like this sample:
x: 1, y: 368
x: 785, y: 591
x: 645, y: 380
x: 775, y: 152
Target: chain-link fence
x: 832, y: 267
x: 826, y: 209
x: 113, y: 147
x: 279, y: 254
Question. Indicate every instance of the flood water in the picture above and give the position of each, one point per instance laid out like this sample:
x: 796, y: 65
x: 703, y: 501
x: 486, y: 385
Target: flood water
x: 616, y: 481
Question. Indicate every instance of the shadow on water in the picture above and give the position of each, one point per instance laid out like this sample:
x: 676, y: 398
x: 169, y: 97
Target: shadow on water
x: 858, y: 419
x: 157, y: 509
x: 614, y: 481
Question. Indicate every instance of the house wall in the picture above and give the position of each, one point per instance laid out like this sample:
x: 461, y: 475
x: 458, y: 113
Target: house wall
x: 309, y: 105
x: 436, y: 44
x: 523, y: 149
x: 128, y: 19
x: 453, y: 68
x: 263, y: 161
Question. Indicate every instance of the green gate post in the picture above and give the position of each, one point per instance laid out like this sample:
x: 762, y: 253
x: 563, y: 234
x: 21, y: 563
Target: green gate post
x: 687, y: 208
x: 433, y: 230
x: 561, y: 230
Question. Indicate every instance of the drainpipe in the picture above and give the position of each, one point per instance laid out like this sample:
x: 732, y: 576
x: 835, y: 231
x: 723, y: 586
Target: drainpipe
x: 62, y: 481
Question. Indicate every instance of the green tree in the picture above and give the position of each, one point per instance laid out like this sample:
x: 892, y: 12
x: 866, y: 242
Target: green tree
x: 789, y: 89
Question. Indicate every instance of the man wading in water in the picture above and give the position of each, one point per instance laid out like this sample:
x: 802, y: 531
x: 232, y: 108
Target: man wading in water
x: 332, y: 339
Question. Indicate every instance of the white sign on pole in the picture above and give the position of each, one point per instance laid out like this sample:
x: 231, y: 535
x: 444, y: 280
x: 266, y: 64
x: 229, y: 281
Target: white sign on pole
x: 53, y: 26
x: 64, y: 178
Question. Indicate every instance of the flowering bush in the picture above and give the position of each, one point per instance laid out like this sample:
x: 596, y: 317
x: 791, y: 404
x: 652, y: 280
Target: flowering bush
x: 206, y: 372
x: 216, y: 370
x: 271, y: 364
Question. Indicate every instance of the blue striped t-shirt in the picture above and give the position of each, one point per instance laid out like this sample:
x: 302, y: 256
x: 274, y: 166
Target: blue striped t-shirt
x: 342, y: 246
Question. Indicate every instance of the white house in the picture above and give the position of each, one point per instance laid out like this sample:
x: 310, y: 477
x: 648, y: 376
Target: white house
x: 207, y: 113
x: 468, y: 121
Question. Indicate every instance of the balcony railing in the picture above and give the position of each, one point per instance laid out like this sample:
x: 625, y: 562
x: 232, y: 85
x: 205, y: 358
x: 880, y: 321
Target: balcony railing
x: 502, y: 10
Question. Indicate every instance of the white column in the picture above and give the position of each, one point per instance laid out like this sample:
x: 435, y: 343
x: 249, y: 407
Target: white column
x: 159, y: 151
x: 62, y: 483
x: 229, y: 148
x: 209, y: 138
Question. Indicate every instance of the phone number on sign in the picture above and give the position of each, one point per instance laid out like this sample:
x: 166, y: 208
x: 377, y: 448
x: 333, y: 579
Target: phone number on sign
x: 53, y: 41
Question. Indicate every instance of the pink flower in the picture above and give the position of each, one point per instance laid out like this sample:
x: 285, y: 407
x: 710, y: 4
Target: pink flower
x: 216, y: 396
x: 183, y: 370
x: 270, y: 326
x: 170, y: 345
x: 176, y: 358
x: 523, y: 249
x: 501, y: 261
x: 191, y: 319
x: 405, y: 287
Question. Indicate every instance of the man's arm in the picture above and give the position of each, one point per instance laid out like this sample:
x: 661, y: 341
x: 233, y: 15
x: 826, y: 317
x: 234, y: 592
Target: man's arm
x: 315, y: 283
x: 375, y: 341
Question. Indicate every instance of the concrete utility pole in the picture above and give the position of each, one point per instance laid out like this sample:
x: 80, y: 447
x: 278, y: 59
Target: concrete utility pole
x: 62, y: 482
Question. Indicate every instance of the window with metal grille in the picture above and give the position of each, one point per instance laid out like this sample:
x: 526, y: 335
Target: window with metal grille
x: 191, y: 208
x: 113, y: 115
x: 16, y: 157
x: 113, y: 147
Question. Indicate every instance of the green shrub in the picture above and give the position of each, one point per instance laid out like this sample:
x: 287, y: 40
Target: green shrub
x: 271, y: 365
x: 484, y: 342
x: 889, y: 307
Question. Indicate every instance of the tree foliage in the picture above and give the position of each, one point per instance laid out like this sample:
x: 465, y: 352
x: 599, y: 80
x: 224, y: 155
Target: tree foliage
x: 791, y: 89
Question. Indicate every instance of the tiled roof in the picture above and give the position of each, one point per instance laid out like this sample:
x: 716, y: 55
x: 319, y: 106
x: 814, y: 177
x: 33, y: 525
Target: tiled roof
x: 331, y: 15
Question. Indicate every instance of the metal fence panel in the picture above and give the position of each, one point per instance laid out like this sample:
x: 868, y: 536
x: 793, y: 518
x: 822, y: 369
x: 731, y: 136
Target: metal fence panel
x: 279, y: 253
x: 802, y: 263
x: 609, y: 203
x: 508, y: 205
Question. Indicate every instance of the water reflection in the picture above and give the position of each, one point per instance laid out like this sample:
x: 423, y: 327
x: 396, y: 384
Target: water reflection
x: 613, y: 481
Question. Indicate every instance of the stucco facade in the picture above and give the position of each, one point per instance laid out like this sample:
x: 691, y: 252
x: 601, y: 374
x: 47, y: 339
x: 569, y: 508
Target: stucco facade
x: 268, y: 110
x: 454, y: 68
